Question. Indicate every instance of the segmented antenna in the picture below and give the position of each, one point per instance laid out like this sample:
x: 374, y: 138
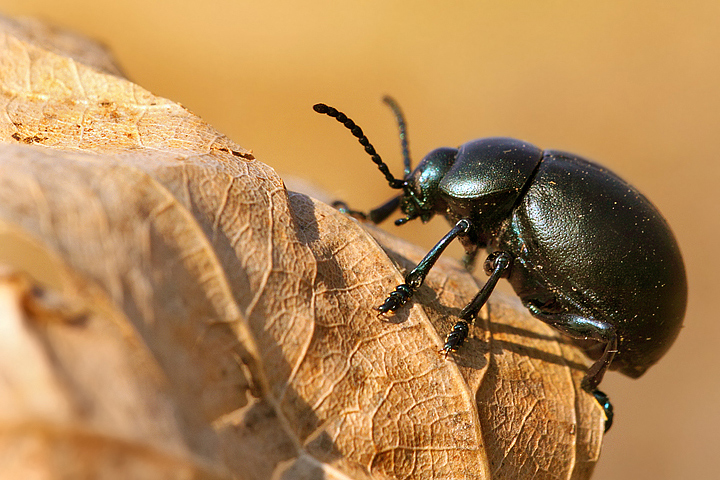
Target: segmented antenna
x: 358, y: 133
x: 400, y: 118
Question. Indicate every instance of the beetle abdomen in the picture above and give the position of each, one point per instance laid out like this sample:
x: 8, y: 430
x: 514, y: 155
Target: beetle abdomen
x: 599, y: 246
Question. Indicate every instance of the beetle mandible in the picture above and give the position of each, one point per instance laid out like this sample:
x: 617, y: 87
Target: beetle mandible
x: 585, y: 251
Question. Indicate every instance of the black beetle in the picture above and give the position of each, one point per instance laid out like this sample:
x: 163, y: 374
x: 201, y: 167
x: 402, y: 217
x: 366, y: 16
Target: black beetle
x: 586, y: 252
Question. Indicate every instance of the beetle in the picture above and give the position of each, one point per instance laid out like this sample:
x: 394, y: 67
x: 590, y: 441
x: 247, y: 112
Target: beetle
x: 585, y: 251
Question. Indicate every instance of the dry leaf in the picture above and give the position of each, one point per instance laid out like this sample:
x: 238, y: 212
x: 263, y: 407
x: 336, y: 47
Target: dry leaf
x: 169, y: 310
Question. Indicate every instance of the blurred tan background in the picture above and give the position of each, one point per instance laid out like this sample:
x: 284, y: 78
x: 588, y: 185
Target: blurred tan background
x: 633, y: 85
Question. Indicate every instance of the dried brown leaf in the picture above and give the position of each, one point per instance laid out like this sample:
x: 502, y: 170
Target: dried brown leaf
x: 178, y: 313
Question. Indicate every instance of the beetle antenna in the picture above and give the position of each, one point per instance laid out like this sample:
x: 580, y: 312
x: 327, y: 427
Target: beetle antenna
x: 400, y: 118
x: 358, y: 133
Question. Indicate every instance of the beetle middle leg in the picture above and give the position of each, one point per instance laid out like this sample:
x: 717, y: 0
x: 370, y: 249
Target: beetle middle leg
x: 416, y: 277
x: 497, y: 265
x: 468, y: 259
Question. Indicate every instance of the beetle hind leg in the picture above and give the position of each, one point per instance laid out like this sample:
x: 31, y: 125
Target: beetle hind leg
x: 595, y: 373
x: 579, y: 327
x: 607, y: 407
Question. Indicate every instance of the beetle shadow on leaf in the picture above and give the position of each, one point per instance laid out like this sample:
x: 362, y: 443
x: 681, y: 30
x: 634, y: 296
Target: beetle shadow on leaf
x: 302, y: 211
x: 330, y: 273
x: 499, y: 343
x: 473, y: 353
x: 289, y: 418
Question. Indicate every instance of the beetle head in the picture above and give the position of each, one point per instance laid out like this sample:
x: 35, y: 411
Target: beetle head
x: 421, y: 190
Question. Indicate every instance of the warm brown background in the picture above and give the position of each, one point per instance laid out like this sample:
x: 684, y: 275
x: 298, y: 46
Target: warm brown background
x: 633, y: 85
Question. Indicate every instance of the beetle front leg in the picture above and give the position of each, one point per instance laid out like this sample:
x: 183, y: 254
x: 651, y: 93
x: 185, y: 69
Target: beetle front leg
x: 376, y: 215
x: 416, y: 277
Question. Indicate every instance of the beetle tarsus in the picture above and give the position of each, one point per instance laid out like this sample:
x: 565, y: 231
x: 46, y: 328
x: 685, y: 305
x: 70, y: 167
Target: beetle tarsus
x: 607, y: 407
x: 396, y: 299
x: 456, y: 337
